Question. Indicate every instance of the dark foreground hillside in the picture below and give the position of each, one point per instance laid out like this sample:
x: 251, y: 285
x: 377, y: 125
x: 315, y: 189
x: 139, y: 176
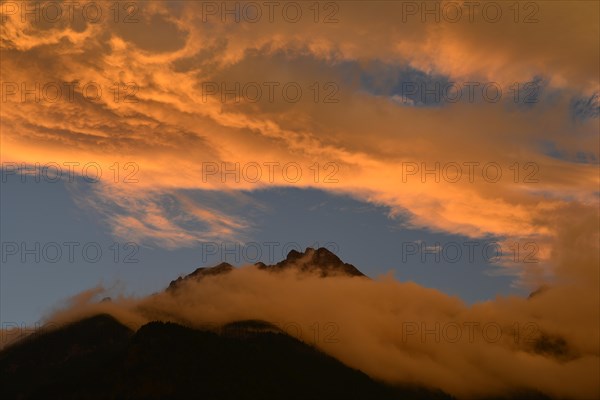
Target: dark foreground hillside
x: 100, y: 358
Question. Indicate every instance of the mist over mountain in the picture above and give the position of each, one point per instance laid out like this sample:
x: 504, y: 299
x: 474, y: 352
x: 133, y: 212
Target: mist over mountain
x: 308, y: 327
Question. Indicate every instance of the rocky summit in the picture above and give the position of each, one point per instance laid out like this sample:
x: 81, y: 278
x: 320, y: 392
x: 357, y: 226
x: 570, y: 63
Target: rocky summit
x: 320, y: 261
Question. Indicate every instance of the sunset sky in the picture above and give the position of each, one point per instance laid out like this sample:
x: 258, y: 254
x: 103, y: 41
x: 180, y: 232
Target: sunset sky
x: 334, y: 124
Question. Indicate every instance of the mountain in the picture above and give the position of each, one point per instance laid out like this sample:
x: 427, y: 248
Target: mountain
x: 98, y: 358
x: 320, y: 261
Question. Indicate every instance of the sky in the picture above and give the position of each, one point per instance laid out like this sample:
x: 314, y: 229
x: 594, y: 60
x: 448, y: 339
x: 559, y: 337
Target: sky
x: 435, y: 143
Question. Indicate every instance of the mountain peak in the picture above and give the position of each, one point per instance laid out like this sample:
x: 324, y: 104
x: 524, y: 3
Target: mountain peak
x: 321, y: 252
x: 320, y: 260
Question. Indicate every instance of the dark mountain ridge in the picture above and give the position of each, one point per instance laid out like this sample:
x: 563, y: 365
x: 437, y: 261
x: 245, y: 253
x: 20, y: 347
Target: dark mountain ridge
x: 99, y: 358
